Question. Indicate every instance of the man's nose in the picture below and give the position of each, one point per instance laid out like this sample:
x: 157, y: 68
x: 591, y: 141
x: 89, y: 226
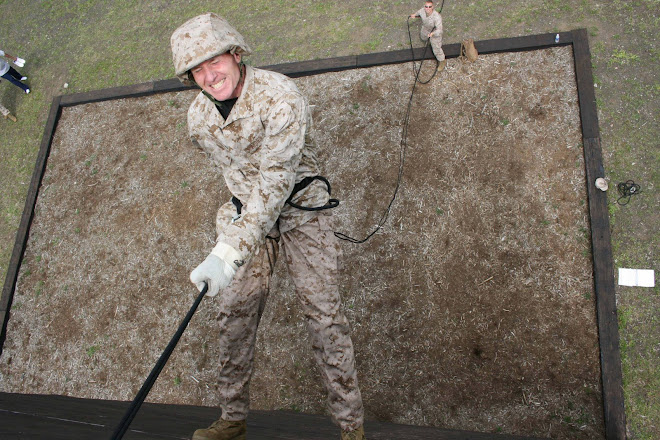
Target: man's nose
x: 209, y: 75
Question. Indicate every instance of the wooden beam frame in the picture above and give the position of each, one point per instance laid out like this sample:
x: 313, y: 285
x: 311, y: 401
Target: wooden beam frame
x: 603, y: 270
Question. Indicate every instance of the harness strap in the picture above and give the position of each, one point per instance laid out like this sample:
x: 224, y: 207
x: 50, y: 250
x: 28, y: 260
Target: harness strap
x: 332, y: 203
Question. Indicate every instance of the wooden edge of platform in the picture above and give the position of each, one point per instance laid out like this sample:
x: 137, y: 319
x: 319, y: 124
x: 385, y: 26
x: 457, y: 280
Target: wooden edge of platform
x: 26, y: 218
x: 612, y: 381
x: 94, y: 418
x: 337, y: 64
x: 601, y: 243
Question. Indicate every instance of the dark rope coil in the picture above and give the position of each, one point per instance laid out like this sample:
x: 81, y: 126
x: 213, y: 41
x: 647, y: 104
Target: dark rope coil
x: 626, y: 190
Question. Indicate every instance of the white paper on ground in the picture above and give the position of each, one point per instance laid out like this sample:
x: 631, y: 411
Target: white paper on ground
x: 636, y: 277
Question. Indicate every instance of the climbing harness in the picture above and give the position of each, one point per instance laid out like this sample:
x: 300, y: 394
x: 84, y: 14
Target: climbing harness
x: 332, y: 203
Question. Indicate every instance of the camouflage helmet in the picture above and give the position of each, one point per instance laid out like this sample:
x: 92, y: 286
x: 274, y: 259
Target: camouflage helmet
x: 202, y: 38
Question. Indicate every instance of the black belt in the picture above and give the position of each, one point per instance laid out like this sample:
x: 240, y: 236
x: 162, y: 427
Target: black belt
x: 332, y: 203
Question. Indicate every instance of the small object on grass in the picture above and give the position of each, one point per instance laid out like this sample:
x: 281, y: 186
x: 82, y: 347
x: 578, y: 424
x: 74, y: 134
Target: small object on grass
x: 627, y: 189
x: 636, y: 277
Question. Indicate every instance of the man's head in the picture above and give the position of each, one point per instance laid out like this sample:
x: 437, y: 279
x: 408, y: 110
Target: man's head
x: 428, y: 7
x: 200, y: 40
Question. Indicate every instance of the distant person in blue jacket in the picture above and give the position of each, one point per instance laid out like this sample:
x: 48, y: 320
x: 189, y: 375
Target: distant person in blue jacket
x: 10, y: 74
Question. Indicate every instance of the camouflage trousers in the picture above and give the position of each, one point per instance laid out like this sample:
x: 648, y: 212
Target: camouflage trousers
x: 436, y: 43
x: 312, y: 254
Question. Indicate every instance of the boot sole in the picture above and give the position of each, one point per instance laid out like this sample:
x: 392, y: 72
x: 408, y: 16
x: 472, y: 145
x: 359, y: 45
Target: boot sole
x: 238, y: 437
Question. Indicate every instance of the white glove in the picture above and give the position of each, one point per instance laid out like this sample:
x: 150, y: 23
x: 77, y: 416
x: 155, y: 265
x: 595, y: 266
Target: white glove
x: 217, y: 270
x: 20, y: 62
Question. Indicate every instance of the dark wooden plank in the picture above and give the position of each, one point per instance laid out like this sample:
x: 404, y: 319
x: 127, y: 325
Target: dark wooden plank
x: 608, y: 329
x: 524, y: 43
x: 26, y: 426
x: 314, y: 67
x: 40, y: 416
x: 585, y: 84
x: 392, y: 57
x: 93, y: 419
x: 133, y: 91
x: 27, y: 216
x: 403, y: 56
x: 171, y: 85
x: 336, y: 64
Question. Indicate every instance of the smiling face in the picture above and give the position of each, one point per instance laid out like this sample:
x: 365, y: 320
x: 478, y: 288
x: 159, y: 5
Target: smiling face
x: 428, y: 8
x: 219, y: 76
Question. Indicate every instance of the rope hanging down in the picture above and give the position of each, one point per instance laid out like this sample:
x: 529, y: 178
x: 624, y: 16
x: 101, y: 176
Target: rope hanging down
x: 402, y: 155
x: 428, y: 43
x: 412, y: 54
x: 132, y: 411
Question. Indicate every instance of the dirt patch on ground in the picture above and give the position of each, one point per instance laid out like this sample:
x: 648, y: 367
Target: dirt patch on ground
x: 471, y: 309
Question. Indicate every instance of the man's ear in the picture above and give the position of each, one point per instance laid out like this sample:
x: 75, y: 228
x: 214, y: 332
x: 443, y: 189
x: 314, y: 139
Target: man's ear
x: 237, y: 57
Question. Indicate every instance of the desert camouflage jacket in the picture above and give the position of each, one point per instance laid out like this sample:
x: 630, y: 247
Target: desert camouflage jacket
x: 262, y: 149
x: 431, y: 23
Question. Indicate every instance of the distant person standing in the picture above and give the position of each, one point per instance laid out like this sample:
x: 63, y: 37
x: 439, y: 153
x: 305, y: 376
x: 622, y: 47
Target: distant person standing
x: 10, y: 74
x: 431, y: 29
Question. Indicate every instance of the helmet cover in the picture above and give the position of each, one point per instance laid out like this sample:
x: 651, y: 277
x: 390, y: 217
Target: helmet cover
x: 201, y: 38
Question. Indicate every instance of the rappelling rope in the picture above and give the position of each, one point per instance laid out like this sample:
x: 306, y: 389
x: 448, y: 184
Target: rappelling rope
x: 428, y: 43
x: 414, y: 66
x: 402, y: 151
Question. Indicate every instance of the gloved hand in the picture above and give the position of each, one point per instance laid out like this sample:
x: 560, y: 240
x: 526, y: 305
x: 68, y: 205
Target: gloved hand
x: 20, y: 62
x: 217, y: 270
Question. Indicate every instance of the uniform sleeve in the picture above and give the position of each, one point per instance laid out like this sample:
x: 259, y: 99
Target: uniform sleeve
x: 284, y: 139
x: 226, y: 213
x: 438, y: 23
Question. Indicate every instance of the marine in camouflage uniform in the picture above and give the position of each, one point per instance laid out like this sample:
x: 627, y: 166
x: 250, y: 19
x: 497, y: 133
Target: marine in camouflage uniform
x: 431, y: 23
x: 263, y: 148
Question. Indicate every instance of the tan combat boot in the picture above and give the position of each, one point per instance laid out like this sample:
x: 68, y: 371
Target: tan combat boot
x: 222, y: 430
x: 358, y: 434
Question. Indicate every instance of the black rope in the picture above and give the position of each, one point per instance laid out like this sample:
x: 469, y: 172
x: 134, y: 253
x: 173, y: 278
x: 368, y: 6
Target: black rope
x: 402, y: 158
x: 412, y: 54
x: 404, y: 141
x: 412, y: 51
x: 627, y: 189
x: 146, y: 387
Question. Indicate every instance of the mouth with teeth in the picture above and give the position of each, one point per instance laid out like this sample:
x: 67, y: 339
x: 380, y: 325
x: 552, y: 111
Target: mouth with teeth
x: 218, y: 85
